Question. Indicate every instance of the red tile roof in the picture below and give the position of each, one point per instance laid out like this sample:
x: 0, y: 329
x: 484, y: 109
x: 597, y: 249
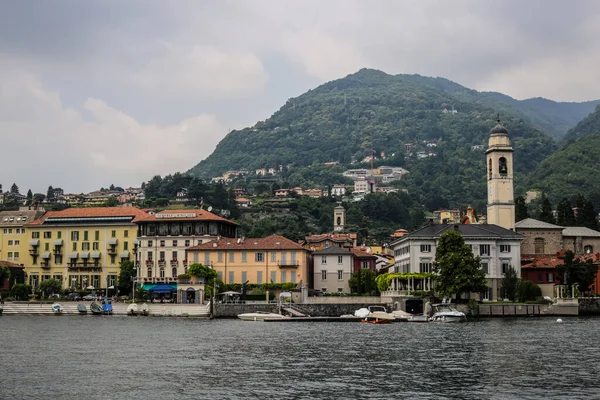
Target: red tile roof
x: 335, y: 237
x: 552, y: 261
x: 273, y: 242
x: 90, y: 212
x: 184, y: 215
x: 361, y: 253
x: 10, y: 264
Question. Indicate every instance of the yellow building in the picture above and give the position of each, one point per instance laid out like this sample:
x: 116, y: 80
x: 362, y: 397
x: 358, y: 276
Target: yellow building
x: 81, y: 247
x: 274, y: 259
x: 13, y: 233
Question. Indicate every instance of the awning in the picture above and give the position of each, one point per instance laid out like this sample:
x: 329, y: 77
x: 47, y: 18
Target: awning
x: 124, y: 254
x: 85, y: 254
x: 34, y: 242
x: 162, y: 289
x: 45, y: 254
x: 58, y: 242
x: 72, y: 255
x: 112, y: 241
x: 95, y: 254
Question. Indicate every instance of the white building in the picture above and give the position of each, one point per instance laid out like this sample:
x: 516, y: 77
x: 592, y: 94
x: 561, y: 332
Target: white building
x: 333, y: 270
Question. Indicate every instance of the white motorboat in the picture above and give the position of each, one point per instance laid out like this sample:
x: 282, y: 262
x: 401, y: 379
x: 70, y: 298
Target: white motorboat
x: 446, y: 312
x: 133, y: 309
x: 375, y: 314
x: 57, y: 308
x: 260, y: 316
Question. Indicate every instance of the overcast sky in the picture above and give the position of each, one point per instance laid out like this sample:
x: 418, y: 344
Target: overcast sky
x: 94, y: 93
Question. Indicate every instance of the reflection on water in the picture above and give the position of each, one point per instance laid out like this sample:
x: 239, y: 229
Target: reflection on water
x: 173, y: 358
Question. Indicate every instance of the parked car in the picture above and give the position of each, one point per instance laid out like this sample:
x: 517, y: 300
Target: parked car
x: 54, y: 296
x: 73, y: 296
x: 88, y: 297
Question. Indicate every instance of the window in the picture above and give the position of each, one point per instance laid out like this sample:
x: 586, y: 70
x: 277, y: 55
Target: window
x: 484, y: 249
x: 149, y: 243
x: 112, y: 259
x: 125, y: 245
x: 232, y: 257
x: 324, y: 290
x: 502, y: 167
x: 187, y: 243
x: 323, y: 275
x: 231, y: 276
x: 485, y: 267
x: 293, y: 257
x: 340, y: 259
x: 588, y: 249
x: 58, y: 235
x: 206, y: 258
x: 425, y: 267
x: 540, y: 277
x: 174, y: 256
x: 340, y: 290
x: 113, y: 234
x: 220, y: 256
x: 550, y: 277
x: 75, y: 235
x: 425, y: 248
x: 150, y: 255
x: 538, y: 245
x: 323, y: 259
x: 173, y: 271
x: 10, y: 256
x: 259, y: 277
x: 85, y: 236
x: 505, y: 267
x: 505, y: 248
x: 259, y: 257
x: 85, y: 246
x: 96, y: 246
x: 244, y: 276
x: 58, y: 259
x: 34, y: 235
x: 273, y: 276
x: 162, y: 272
x: 149, y: 272
x: 292, y: 277
x: 10, y: 242
x: 161, y: 255
x: 46, y: 246
x: 365, y: 265
x: 283, y: 276
x: 17, y: 242
x: 74, y: 246
x: 340, y: 274
x: 47, y: 235
x: 126, y: 233
x: 162, y: 243
x: 273, y: 256
x: 244, y: 256
x: 174, y: 243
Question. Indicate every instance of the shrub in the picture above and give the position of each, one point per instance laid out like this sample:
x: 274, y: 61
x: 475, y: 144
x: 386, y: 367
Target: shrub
x: 528, y: 291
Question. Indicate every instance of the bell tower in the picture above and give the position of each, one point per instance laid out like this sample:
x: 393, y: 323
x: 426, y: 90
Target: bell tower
x: 499, y: 162
x: 339, y: 218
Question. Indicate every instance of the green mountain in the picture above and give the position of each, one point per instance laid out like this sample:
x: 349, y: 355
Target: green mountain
x: 346, y: 119
x: 572, y: 169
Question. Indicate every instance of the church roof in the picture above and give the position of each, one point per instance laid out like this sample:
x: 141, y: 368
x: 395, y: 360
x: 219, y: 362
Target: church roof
x: 530, y: 223
x: 468, y: 231
x: 580, y: 231
x: 499, y: 129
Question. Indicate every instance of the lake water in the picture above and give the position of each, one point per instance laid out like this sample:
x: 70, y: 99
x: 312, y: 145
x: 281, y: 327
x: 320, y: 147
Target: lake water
x: 176, y: 358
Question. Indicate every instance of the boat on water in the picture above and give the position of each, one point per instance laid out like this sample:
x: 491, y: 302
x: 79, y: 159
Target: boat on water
x: 133, y: 309
x: 82, y: 308
x: 107, y: 308
x: 375, y: 315
x: 96, y: 309
x: 57, y: 308
x: 260, y: 316
x: 1, y: 309
x: 144, y: 310
x: 446, y: 312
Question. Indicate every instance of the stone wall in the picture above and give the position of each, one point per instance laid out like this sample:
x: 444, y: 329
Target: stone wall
x: 578, y: 244
x: 552, y: 240
x: 314, y: 310
x: 589, y: 306
x: 526, y: 310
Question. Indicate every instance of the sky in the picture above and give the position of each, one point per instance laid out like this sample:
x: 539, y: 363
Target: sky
x: 94, y: 93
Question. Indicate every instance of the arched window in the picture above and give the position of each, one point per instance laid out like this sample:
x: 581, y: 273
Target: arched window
x: 149, y: 272
x: 490, y: 169
x: 588, y: 249
x: 339, y: 220
x: 502, y: 167
x: 539, y: 245
x: 174, y: 272
x: 162, y: 272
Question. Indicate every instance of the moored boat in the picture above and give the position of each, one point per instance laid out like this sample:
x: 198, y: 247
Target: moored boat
x: 57, y: 308
x: 144, y: 310
x: 375, y: 315
x: 82, y: 308
x: 107, y: 308
x: 446, y: 312
x: 260, y: 316
x: 132, y: 309
x: 96, y: 309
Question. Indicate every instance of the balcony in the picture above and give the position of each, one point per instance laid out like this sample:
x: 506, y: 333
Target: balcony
x: 111, y: 251
x: 149, y: 263
x: 57, y: 251
x: 162, y: 263
x: 288, y: 264
x: 45, y: 265
x: 174, y: 263
x: 34, y: 251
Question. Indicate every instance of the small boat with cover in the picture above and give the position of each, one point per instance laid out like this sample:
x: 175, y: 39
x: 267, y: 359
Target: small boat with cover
x: 96, y: 309
x: 260, y: 316
x: 133, y: 309
x: 144, y: 310
x: 57, y: 308
x: 82, y: 309
x: 107, y: 308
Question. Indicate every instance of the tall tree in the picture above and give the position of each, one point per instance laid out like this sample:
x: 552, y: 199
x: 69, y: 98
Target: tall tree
x: 586, y: 215
x: 50, y: 193
x: 574, y: 271
x: 126, y: 273
x: 510, y: 283
x: 521, y: 211
x: 546, y: 212
x: 564, y: 213
x: 363, y: 282
x: 29, y: 195
x: 459, y: 270
x: 14, y: 189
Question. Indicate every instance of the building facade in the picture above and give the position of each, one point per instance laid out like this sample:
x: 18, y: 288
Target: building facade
x: 164, y: 237
x: 13, y: 233
x: 274, y: 259
x: 81, y: 247
x: 333, y: 268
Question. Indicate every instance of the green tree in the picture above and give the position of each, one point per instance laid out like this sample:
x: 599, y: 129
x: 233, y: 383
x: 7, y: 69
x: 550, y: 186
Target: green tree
x: 586, y: 216
x: 29, y: 195
x: 39, y: 198
x: 510, y: 283
x: 459, y: 270
x: 50, y: 286
x: 546, y: 212
x: 14, y: 189
x: 528, y: 291
x: 363, y: 282
x: 20, y: 291
x: 574, y: 271
x: 111, y: 202
x: 521, y: 211
x: 210, y: 276
x: 50, y: 193
x: 4, y: 274
x: 126, y: 274
x: 564, y: 213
